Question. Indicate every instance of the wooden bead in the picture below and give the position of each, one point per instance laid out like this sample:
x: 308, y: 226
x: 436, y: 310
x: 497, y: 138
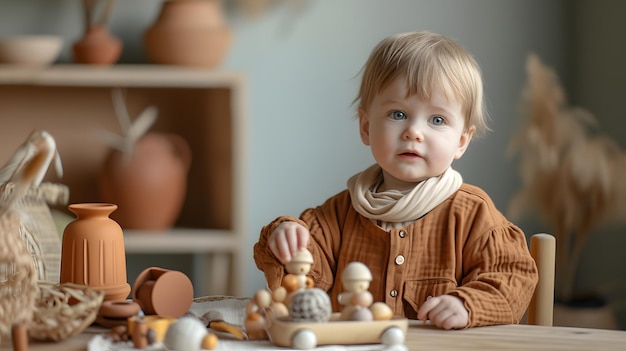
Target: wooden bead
x: 209, y: 342
x: 290, y: 282
x: 263, y: 298
x: 381, y: 311
x: 279, y: 294
x: 362, y: 299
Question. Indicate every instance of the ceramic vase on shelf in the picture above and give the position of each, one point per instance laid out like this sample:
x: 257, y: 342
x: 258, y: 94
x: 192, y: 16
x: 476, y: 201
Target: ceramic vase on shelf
x: 189, y: 33
x: 97, y: 47
x: 93, y: 253
x: 150, y: 185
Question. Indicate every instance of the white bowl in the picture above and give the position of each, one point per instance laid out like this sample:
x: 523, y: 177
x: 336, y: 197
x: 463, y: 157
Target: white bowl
x: 31, y: 50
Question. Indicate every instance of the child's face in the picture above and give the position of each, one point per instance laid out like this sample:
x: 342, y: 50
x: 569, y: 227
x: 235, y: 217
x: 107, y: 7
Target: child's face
x: 413, y: 139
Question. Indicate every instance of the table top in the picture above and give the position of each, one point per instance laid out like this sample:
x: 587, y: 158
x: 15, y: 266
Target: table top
x: 426, y: 337
x: 515, y: 337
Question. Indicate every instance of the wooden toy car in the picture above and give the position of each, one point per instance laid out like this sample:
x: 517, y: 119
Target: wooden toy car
x: 305, y: 335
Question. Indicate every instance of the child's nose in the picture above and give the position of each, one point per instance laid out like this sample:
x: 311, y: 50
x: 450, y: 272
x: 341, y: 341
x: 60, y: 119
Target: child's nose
x: 414, y: 132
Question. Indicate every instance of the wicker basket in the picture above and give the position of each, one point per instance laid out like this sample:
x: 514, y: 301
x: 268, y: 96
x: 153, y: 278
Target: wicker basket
x: 63, y: 310
x: 37, y: 227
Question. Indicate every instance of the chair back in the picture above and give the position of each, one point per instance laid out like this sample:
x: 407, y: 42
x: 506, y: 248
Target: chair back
x: 543, y: 250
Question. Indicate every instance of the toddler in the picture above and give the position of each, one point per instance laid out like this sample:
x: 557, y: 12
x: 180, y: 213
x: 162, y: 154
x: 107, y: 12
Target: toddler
x: 438, y: 249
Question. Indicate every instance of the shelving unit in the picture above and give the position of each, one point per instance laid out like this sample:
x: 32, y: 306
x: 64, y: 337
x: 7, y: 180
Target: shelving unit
x: 206, y: 107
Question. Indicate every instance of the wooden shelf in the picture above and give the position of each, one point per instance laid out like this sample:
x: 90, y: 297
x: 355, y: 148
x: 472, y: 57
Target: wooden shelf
x: 126, y: 75
x: 206, y: 107
x: 179, y: 240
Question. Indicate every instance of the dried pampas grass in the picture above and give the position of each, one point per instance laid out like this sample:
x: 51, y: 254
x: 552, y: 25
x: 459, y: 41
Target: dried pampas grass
x: 570, y: 174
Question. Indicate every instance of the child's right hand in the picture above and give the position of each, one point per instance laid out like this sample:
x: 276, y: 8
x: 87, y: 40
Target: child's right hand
x: 287, y: 238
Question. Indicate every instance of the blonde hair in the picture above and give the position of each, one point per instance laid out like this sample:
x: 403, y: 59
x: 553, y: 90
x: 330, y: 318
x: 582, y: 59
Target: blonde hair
x: 429, y: 61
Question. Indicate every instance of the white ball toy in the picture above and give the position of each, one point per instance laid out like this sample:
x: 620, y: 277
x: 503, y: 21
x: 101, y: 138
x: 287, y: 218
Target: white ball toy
x: 188, y: 334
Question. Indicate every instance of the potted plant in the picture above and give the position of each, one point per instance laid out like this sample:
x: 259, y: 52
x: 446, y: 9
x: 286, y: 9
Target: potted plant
x: 569, y: 174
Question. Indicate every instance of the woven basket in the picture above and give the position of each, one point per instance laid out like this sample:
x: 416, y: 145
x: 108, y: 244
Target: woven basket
x: 63, y: 310
x: 18, y: 279
x: 37, y: 228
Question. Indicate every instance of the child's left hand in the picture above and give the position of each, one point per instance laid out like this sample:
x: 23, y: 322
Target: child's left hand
x: 445, y: 311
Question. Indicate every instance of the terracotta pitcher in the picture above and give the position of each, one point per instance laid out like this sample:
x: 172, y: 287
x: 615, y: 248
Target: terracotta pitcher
x: 93, y: 253
x: 150, y: 185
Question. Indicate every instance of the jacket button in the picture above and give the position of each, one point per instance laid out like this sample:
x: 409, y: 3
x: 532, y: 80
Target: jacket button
x: 402, y: 233
x: 393, y: 293
x: 399, y: 260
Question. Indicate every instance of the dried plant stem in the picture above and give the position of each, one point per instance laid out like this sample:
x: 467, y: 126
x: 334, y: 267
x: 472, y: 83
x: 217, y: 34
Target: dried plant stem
x: 568, y: 267
x: 104, y: 20
x: 91, y: 8
x: 88, y: 9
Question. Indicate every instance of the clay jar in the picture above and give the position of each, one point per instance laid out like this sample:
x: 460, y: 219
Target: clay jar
x: 163, y: 292
x: 97, y: 47
x: 150, y: 185
x: 93, y: 253
x: 188, y: 33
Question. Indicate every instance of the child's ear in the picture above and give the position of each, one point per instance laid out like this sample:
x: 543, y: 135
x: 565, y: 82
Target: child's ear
x: 464, y: 142
x: 364, y: 127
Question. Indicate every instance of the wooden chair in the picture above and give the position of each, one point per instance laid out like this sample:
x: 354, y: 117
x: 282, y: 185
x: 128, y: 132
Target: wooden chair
x: 543, y: 250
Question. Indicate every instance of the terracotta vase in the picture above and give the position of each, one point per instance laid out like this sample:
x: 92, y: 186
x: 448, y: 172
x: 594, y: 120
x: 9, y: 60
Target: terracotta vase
x: 92, y: 251
x: 97, y: 47
x: 149, y: 186
x: 189, y: 33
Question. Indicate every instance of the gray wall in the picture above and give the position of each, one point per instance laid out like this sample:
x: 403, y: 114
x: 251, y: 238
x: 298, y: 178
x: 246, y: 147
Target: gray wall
x: 301, y: 67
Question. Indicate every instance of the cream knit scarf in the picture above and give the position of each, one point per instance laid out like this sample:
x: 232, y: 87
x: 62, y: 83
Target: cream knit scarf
x: 393, y: 208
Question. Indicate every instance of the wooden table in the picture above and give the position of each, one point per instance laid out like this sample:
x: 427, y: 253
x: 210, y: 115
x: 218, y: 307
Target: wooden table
x: 515, y: 337
x: 428, y: 338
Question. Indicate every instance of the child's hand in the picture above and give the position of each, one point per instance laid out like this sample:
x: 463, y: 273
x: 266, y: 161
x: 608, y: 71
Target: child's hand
x: 288, y: 238
x: 445, y: 311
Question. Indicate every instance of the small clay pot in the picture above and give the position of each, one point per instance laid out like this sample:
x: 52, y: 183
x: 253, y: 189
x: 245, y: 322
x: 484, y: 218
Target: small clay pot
x: 97, y: 47
x: 163, y: 292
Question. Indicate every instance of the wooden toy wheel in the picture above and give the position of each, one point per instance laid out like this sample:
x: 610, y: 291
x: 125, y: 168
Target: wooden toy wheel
x: 392, y: 336
x: 304, y: 339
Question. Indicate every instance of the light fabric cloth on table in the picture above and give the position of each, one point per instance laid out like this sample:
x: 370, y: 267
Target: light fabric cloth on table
x: 233, y: 309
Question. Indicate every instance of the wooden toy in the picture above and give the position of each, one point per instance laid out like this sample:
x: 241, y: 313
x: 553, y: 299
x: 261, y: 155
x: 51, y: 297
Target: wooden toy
x: 297, y: 270
x: 309, y: 321
x: 310, y: 305
x: 356, y: 278
x: 306, y: 336
x: 189, y: 334
x: 215, y: 320
x: 157, y: 324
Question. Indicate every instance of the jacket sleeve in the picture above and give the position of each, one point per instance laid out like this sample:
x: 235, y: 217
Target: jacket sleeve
x: 500, y: 276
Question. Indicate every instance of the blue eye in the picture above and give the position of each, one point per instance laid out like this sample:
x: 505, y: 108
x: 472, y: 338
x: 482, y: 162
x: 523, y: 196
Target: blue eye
x: 397, y: 115
x: 437, y: 120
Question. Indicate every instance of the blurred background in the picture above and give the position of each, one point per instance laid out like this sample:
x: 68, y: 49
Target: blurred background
x: 301, y: 60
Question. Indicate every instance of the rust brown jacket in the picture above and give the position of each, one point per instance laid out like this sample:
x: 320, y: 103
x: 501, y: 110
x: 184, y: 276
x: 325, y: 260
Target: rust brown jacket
x: 464, y: 247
